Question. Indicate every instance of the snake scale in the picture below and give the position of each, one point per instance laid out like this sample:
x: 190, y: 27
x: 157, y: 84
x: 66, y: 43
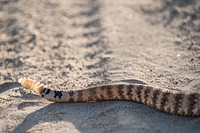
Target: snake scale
x: 170, y: 101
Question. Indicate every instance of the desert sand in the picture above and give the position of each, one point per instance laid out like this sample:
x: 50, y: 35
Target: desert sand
x: 69, y: 44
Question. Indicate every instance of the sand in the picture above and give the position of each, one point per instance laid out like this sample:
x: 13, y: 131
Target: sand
x: 76, y: 44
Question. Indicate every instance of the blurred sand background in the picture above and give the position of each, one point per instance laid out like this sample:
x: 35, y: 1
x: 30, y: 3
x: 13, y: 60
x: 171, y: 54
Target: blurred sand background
x: 69, y: 44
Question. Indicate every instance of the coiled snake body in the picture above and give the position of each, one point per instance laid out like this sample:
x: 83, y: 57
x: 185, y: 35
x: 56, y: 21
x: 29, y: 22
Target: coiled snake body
x: 170, y: 101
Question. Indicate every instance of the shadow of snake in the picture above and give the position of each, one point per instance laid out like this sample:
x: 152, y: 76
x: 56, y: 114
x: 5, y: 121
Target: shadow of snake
x: 114, y: 116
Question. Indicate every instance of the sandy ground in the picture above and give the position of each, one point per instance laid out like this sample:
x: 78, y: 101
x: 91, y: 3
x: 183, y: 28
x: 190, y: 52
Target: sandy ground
x: 76, y: 44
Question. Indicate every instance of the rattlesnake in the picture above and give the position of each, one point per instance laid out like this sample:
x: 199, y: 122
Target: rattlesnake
x: 170, y: 101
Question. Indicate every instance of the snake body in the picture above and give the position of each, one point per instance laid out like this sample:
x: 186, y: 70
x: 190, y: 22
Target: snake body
x: 170, y: 101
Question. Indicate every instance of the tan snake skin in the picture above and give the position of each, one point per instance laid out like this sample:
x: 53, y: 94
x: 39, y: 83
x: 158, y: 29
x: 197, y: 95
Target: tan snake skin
x: 170, y: 101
